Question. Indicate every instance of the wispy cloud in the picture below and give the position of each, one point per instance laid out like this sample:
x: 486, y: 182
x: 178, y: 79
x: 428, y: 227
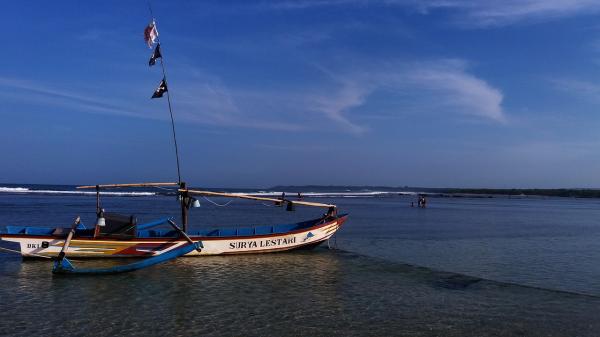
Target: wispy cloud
x: 207, y: 103
x: 304, y: 4
x: 453, y: 86
x: 35, y: 92
x: 585, y: 89
x: 504, y: 12
x: 350, y: 94
x: 468, y: 12
x: 439, y: 86
x: 442, y: 87
x: 205, y: 99
x: 309, y: 148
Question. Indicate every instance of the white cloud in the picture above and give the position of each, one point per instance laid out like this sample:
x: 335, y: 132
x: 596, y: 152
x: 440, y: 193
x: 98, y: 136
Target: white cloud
x: 503, y: 12
x: 350, y: 94
x: 452, y: 86
x: 468, y: 12
x: 438, y: 87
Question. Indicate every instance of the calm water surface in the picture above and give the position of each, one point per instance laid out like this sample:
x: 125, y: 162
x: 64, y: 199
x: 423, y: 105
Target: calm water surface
x: 462, y: 267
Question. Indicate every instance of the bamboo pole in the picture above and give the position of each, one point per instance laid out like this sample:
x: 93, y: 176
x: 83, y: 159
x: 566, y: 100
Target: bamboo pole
x: 251, y: 197
x: 182, y: 232
x: 65, y: 247
x: 128, y: 185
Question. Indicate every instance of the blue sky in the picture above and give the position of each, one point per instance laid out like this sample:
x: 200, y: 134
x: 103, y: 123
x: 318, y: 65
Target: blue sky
x: 449, y: 93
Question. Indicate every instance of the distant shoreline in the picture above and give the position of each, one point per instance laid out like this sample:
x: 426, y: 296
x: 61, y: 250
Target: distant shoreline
x: 558, y: 192
x: 458, y: 192
x: 330, y: 191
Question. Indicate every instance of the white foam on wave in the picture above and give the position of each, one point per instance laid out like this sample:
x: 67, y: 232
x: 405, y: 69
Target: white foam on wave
x: 14, y: 189
x: 275, y: 194
x: 25, y: 190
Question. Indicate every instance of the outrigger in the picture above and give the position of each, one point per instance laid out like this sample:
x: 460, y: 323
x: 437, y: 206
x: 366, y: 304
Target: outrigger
x: 115, y: 235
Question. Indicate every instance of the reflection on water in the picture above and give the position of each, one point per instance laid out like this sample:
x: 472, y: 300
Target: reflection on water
x: 318, y: 292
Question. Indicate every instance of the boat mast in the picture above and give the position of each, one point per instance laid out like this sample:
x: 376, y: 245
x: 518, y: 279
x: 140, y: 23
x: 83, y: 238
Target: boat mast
x: 164, y: 72
x: 183, y: 195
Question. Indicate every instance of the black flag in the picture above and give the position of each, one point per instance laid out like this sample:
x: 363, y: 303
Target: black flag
x: 162, y: 88
x: 155, y: 55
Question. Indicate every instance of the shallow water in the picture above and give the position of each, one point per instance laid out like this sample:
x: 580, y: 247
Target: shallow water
x: 550, y: 243
x: 510, y: 248
x: 308, y: 293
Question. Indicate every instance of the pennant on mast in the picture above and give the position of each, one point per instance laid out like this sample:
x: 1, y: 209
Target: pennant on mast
x: 151, y: 37
x: 150, y: 34
x: 162, y: 88
x: 155, y: 55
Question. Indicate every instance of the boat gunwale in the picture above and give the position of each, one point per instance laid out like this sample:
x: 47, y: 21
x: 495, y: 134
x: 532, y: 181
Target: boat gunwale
x: 341, y: 219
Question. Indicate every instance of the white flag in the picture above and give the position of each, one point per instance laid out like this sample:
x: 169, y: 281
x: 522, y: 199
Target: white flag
x: 150, y: 34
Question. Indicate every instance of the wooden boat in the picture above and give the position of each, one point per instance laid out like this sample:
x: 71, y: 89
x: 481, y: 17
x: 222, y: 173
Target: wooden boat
x: 116, y: 236
x: 125, y: 239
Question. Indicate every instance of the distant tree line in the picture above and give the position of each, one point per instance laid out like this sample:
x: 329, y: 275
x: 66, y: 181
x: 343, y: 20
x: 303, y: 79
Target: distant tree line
x: 555, y: 192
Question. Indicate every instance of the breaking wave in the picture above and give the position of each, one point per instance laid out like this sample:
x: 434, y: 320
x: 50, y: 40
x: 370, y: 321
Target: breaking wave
x: 24, y: 190
x: 275, y: 194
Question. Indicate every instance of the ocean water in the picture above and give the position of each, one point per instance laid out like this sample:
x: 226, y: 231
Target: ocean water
x: 461, y: 267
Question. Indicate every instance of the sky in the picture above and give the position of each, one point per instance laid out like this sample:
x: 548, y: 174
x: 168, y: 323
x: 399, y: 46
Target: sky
x: 431, y: 93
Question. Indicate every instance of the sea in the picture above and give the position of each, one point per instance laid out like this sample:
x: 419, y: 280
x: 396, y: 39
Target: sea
x: 462, y: 266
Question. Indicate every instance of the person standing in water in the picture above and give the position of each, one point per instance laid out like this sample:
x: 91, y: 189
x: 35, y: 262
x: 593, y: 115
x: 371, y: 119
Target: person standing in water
x: 422, y: 201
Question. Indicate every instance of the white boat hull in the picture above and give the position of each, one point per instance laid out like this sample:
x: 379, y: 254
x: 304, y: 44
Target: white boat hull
x: 32, y: 245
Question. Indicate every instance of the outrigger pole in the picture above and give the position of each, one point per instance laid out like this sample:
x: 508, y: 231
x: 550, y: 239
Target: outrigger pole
x: 63, y: 266
x: 332, y: 209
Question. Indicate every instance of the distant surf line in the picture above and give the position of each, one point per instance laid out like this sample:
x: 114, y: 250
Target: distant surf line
x: 345, y: 194
x: 25, y: 190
